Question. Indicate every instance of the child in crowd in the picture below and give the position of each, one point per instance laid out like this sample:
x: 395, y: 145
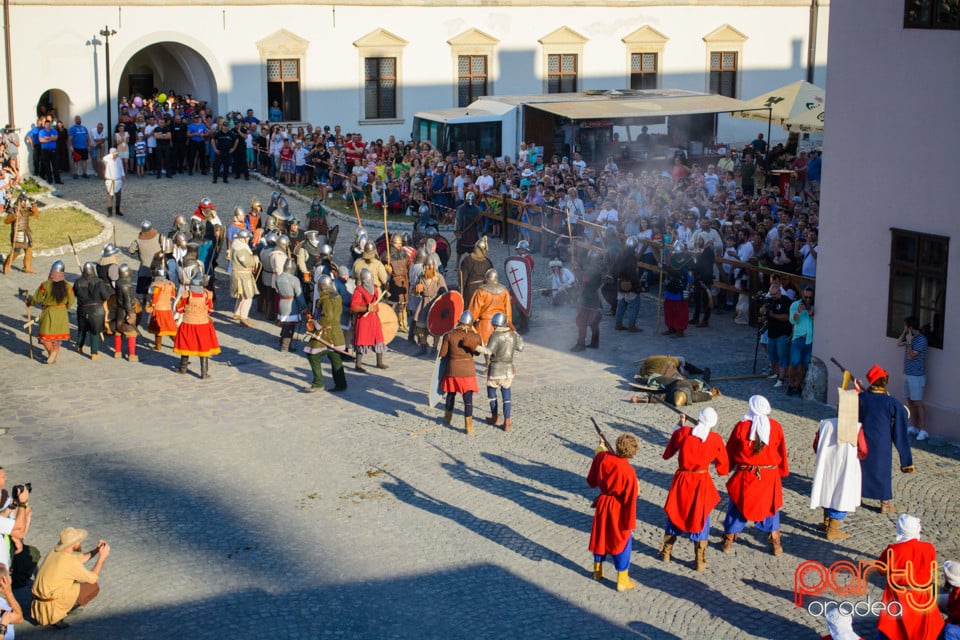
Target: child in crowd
x: 300, y: 161
x: 140, y: 151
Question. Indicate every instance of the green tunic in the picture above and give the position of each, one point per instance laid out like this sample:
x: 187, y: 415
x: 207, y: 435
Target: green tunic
x: 54, y: 319
x: 329, y: 306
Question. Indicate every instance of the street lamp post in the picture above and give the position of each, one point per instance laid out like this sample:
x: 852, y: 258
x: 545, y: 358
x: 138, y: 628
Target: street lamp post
x: 106, y: 32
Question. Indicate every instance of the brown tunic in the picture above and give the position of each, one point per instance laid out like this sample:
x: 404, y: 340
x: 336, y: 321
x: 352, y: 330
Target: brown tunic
x: 459, y: 347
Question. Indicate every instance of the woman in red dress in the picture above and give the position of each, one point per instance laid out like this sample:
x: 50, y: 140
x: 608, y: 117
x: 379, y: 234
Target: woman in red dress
x: 196, y: 335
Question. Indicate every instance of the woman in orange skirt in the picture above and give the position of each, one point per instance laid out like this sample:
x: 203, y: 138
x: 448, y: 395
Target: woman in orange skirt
x: 196, y: 335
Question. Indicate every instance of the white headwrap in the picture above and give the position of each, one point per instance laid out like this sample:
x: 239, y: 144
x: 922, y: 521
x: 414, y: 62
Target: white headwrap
x: 908, y: 528
x: 705, y: 421
x: 951, y: 571
x: 840, y: 625
x: 758, y: 415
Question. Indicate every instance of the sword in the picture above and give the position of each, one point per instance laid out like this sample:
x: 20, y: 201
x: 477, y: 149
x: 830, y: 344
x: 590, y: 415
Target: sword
x: 74, y: 247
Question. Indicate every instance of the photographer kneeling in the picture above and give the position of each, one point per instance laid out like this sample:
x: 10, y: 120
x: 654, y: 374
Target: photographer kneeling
x: 63, y: 583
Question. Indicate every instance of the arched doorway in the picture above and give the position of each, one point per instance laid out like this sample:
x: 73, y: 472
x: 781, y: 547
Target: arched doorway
x: 166, y: 66
x: 56, y: 103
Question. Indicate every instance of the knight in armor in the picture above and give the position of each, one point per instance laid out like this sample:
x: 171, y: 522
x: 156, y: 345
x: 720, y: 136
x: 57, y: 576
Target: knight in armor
x: 308, y: 255
x: 433, y: 253
x: 160, y: 301
x: 243, y: 276
x: 458, y: 349
x: 180, y: 225
x: 317, y: 218
x: 467, y: 225
x: 267, y: 299
x: 588, y: 306
x: 522, y: 319
x: 367, y: 331
x: 294, y: 233
x: 91, y: 293
x: 430, y: 286
x: 146, y: 246
x: 190, y: 266
x: 702, y: 273
x: 323, y: 330
x: 473, y: 269
x: 359, y: 244
x: 196, y: 335
x: 125, y: 317
x: 21, y: 237
x: 398, y: 261
x: 290, y: 302
x: 629, y: 287
x: 212, y: 233
x: 503, y: 346
x: 279, y: 212
x: 413, y: 298
x: 369, y: 261
x: 274, y: 203
x: 675, y: 308
x: 200, y: 212
x: 178, y: 251
x: 253, y: 221
x: 490, y: 299
x: 236, y: 226
x: 109, y: 267
x: 278, y: 259
x: 56, y: 297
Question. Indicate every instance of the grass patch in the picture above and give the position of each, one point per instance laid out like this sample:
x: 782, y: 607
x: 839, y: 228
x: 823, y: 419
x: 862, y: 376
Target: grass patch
x: 54, y: 225
x: 32, y: 187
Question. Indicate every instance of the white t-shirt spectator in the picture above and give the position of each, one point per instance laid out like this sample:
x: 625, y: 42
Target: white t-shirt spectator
x: 809, y: 269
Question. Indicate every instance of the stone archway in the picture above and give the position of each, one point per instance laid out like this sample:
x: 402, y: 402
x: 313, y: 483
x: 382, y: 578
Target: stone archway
x: 168, y: 65
x: 56, y: 101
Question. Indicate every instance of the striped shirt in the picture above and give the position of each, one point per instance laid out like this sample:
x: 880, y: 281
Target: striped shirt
x: 916, y: 366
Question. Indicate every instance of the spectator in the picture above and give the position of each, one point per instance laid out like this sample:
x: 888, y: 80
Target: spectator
x: 275, y: 114
x: 63, y: 583
x: 801, y: 341
x: 914, y: 345
x: 11, y: 612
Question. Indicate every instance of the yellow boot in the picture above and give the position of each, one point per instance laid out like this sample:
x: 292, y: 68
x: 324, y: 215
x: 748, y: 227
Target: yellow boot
x: 624, y: 583
x: 468, y: 424
x: 598, y: 571
x: 833, y: 530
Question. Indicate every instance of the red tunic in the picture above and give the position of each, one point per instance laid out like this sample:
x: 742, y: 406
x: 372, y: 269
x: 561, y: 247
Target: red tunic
x: 616, y: 508
x: 757, y: 492
x: 913, y: 624
x: 692, y: 494
x: 367, y: 331
x: 196, y: 335
x: 162, y: 322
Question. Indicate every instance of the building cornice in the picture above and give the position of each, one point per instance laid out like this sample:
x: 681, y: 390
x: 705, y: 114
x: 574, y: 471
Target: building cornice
x: 625, y: 4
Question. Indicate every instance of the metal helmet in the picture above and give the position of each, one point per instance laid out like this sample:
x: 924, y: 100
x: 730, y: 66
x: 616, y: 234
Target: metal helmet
x: 196, y: 283
x: 244, y: 234
x: 366, y: 278
x: 271, y: 238
x: 326, y: 251
x: 431, y: 233
x: 160, y: 272
x: 282, y: 211
x: 466, y: 318
x: 293, y: 223
x: 274, y: 198
x: 407, y: 239
x: 206, y: 203
x: 179, y: 221
x: 430, y: 245
x: 421, y: 256
x: 523, y: 245
x: 239, y: 212
x: 470, y: 197
x: 491, y: 277
x: 499, y: 319
x: 58, y: 266
x: 109, y: 250
x: 180, y: 239
x: 631, y: 242
x: 89, y: 268
x: 424, y: 209
x: 271, y: 223
x: 124, y: 272
x: 283, y: 242
x: 313, y: 237
x: 146, y: 225
x: 396, y: 240
x: 196, y: 226
x: 370, y: 248
x: 255, y: 203
x: 361, y: 233
x: 325, y: 283
x: 482, y: 243
x: 290, y: 266
x: 315, y: 205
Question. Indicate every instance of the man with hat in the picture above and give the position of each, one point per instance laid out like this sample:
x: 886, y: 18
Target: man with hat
x: 884, y: 421
x: 63, y: 583
x: 317, y: 218
x: 758, y: 452
x: 458, y: 349
x: 692, y: 494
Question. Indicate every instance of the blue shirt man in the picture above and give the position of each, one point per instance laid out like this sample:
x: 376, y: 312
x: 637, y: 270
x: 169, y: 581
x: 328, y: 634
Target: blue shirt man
x: 79, y: 135
x: 196, y: 130
x: 48, y: 137
x: 814, y: 167
x: 250, y: 119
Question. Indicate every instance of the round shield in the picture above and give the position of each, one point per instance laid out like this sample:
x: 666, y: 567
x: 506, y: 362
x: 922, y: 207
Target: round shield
x: 678, y: 260
x: 388, y: 322
x: 444, y: 313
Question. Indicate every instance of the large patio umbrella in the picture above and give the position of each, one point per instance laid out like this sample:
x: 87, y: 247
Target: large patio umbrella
x: 786, y: 103
x: 809, y: 122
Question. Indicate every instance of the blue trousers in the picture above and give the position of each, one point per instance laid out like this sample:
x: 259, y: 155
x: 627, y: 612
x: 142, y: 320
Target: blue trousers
x: 630, y: 310
x: 621, y: 561
x: 735, y: 522
x: 836, y: 515
x: 492, y: 395
x: 696, y: 536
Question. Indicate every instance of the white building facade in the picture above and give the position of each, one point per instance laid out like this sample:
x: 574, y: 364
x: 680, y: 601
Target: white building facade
x: 369, y: 67
x: 888, y: 229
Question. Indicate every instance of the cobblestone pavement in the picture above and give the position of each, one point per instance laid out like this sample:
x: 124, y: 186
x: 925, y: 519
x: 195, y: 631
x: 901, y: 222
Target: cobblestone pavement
x: 240, y: 506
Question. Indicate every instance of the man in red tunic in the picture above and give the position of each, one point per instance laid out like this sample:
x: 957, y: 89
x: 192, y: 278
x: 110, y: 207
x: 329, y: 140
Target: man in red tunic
x: 692, y: 494
x: 367, y: 331
x: 911, y: 587
x: 615, y: 517
x: 458, y: 349
x: 758, y: 453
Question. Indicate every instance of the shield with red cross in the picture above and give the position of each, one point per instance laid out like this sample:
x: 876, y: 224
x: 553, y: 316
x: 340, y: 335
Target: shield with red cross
x: 520, y: 282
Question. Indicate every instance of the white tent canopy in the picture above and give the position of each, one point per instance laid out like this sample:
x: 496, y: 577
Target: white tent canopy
x: 795, y: 103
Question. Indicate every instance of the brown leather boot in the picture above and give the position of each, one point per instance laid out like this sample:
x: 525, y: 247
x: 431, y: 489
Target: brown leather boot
x: 468, y: 424
x: 8, y: 262
x: 506, y: 424
x: 700, y: 548
x: 726, y: 545
x: 667, y: 547
x: 886, y: 506
x: 775, y: 547
x: 493, y: 419
x: 28, y: 260
x: 157, y: 343
x: 448, y: 417
x: 833, y: 530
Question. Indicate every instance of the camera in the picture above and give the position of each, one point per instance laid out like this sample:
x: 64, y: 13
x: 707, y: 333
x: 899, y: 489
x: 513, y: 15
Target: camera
x: 18, y: 489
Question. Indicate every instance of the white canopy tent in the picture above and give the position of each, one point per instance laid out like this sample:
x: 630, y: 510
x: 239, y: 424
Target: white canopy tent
x: 787, y: 105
